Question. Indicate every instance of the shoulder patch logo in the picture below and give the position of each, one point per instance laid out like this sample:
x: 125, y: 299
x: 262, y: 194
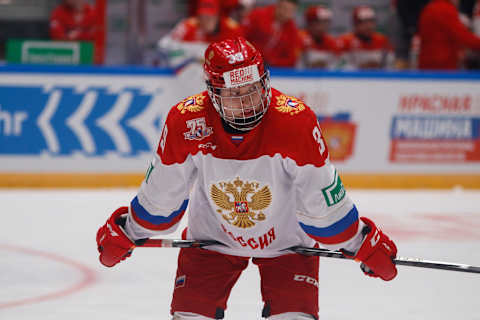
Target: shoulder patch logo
x: 249, y: 199
x: 286, y: 104
x: 198, y: 129
x: 194, y: 103
x: 335, y: 192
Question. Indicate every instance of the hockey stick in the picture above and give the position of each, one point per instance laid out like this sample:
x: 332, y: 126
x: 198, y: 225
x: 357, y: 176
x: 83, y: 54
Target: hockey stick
x: 171, y: 243
x: 401, y: 261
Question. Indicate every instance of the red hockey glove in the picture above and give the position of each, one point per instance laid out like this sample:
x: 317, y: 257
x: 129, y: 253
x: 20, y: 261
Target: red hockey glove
x: 376, y: 253
x: 113, y: 244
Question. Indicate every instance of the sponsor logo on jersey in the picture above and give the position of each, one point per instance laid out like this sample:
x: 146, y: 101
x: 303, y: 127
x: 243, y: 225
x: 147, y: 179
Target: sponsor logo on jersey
x: 291, y: 105
x: 241, y: 76
x: 260, y: 242
x: 335, y: 192
x: 207, y: 146
x: 198, y: 129
x: 306, y: 279
x: 194, y: 103
x: 249, y: 201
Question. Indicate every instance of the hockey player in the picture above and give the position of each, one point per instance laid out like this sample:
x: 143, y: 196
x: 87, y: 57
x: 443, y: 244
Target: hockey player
x: 73, y: 20
x: 443, y: 37
x: 253, y: 168
x: 273, y: 31
x: 191, y: 36
x: 364, y: 48
x: 320, y: 48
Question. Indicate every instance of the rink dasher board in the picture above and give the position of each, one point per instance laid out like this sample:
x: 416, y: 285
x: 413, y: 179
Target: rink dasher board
x: 390, y: 128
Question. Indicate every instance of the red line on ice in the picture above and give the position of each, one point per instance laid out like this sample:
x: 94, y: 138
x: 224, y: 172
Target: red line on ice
x: 88, y: 277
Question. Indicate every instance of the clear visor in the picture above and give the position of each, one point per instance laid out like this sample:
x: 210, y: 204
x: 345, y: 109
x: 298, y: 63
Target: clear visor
x: 242, y: 107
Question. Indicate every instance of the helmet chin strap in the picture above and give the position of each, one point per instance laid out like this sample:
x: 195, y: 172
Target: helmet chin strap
x: 246, y: 124
x: 233, y: 128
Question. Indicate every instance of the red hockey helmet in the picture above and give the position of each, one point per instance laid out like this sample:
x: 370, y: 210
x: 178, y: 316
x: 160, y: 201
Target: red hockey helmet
x: 237, y: 82
x: 363, y: 13
x: 317, y: 13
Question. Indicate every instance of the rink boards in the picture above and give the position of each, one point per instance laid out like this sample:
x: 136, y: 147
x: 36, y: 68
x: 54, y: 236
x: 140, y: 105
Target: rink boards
x: 98, y: 127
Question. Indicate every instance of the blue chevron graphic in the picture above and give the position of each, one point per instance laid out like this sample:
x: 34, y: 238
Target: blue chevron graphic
x: 64, y: 120
x: 15, y: 101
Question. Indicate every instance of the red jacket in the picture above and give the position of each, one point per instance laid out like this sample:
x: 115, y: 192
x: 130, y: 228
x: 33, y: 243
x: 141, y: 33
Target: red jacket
x: 319, y: 53
x: 188, y: 30
x: 442, y: 36
x: 279, y: 44
x: 374, y: 53
x: 66, y: 24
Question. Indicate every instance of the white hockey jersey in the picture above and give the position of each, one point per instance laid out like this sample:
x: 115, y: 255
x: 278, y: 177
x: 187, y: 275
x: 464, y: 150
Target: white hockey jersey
x: 258, y: 192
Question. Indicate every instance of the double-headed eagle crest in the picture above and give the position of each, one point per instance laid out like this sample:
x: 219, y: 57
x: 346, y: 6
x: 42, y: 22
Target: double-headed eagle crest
x: 243, y: 201
x: 292, y: 105
x: 193, y: 104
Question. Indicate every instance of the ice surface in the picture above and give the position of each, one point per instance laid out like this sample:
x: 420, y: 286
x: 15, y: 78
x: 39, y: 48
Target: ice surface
x: 49, y: 266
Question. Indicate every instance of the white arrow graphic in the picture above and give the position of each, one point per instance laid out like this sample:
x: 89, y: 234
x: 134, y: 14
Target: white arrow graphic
x: 110, y: 122
x: 76, y: 122
x: 145, y: 121
x: 43, y: 121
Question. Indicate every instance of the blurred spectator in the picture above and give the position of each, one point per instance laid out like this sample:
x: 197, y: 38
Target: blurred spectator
x: 364, y: 48
x: 472, y: 58
x: 189, y: 39
x: 73, y: 20
x: 476, y: 19
x: 443, y: 36
x: 407, y: 12
x: 320, y: 48
x: 273, y: 31
x: 235, y: 9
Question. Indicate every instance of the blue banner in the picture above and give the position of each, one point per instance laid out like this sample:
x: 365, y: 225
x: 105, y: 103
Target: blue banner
x: 65, y: 120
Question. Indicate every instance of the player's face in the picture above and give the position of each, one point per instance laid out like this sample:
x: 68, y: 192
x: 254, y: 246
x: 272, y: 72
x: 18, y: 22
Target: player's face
x: 75, y: 3
x: 208, y: 23
x: 318, y: 27
x: 285, y: 10
x: 242, y: 102
x: 366, y: 27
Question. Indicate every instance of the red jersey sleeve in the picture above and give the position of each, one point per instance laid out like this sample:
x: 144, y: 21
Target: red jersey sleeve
x: 57, y: 29
x: 457, y: 30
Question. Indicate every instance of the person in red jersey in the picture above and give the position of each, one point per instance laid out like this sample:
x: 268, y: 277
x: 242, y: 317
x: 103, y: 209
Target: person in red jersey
x: 320, y: 48
x: 189, y: 39
x: 272, y: 29
x: 364, y: 48
x: 252, y: 167
x: 235, y: 9
x: 476, y: 18
x: 443, y: 36
x: 73, y: 20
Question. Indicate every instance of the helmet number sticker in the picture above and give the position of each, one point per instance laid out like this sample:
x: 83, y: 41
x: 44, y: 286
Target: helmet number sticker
x: 234, y: 58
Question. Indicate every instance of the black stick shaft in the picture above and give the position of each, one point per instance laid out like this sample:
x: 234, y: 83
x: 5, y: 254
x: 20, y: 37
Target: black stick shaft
x: 401, y: 261
x: 171, y: 243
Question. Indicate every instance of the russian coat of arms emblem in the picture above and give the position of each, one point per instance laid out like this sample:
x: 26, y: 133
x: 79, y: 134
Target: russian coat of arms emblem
x: 241, y: 203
